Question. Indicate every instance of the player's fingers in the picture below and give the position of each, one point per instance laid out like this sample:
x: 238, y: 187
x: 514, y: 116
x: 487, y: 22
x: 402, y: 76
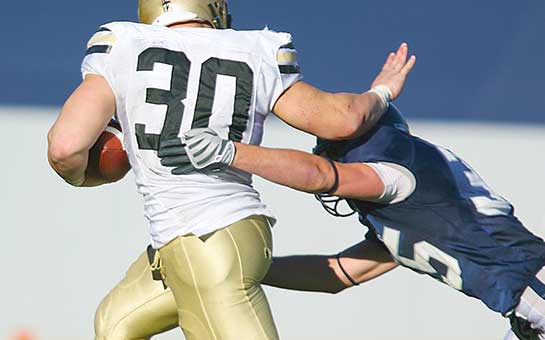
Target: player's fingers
x: 389, y: 60
x: 203, y: 157
x: 194, y: 132
x: 170, y: 143
x: 395, y: 58
x: 391, y: 57
x: 400, y: 57
x: 409, y: 65
x: 198, y: 147
x: 166, y: 151
x: 175, y: 161
x: 197, y: 142
x: 169, y: 161
x: 403, y: 49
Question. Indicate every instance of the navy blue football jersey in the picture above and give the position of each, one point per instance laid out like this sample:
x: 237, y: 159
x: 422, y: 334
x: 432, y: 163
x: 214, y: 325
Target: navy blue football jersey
x: 453, y: 227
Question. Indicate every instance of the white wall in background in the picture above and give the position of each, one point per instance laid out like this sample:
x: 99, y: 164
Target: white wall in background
x: 64, y: 248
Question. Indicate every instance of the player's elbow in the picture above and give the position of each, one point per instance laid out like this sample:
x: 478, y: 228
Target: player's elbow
x: 346, y: 125
x: 355, y: 123
x: 347, y: 129
x: 57, y: 152
x: 60, y: 151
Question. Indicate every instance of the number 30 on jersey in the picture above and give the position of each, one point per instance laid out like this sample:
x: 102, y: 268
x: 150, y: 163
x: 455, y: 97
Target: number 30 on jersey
x: 173, y: 98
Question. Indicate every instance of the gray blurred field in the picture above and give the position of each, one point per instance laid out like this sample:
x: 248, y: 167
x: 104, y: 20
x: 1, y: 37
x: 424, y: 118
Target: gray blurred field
x: 64, y: 248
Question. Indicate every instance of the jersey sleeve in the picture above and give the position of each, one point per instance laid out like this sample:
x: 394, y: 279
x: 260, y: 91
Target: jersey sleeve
x: 284, y: 67
x: 399, y: 182
x: 99, y: 54
x: 288, y: 65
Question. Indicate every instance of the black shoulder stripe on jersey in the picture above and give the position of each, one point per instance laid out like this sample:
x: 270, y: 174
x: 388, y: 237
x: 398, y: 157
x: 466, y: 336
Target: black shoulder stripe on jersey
x: 98, y: 49
x: 104, y: 29
x: 289, y: 69
x: 288, y: 46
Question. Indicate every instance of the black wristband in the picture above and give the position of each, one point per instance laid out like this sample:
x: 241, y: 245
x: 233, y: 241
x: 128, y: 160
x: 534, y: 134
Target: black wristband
x: 352, y: 281
x: 336, y: 184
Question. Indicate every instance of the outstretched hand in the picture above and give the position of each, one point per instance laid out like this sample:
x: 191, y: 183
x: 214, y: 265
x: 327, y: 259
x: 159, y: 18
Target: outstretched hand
x: 395, y: 71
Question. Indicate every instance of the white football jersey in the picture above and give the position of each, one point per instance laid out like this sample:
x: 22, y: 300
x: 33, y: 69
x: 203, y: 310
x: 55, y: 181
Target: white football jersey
x: 167, y: 81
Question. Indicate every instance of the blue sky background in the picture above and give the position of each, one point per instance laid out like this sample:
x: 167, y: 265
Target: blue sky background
x: 482, y: 60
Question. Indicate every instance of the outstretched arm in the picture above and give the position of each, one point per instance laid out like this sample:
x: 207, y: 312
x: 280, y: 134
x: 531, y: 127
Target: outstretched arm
x: 323, y: 273
x: 345, y: 115
x: 309, y: 173
x: 295, y: 169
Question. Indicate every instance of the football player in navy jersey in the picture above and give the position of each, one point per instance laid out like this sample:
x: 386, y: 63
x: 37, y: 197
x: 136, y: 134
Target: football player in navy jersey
x: 426, y: 209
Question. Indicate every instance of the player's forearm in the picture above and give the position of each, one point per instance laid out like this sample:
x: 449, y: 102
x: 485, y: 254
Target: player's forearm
x: 387, y: 86
x: 360, y: 263
x: 370, y: 108
x: 311, y: 273
x: 295, y: 169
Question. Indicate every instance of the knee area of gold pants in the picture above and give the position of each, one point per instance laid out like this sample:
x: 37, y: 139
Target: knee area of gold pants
x: 137, y: 308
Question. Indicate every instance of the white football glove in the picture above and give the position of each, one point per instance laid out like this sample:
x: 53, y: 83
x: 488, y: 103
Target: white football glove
x: 207, y: 150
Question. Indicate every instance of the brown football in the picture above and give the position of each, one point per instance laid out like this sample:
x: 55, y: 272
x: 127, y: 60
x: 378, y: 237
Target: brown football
x: 107, y: 158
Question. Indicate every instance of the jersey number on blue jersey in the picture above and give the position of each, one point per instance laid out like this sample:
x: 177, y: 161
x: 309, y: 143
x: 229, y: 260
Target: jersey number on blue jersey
x: 427, y: 258
x: 173, y: 98
x: 473, y: 187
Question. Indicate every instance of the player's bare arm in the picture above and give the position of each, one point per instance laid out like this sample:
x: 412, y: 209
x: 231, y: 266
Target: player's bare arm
x: 331, y: 273
x: 295, y: 169
x: 309, y: 173
x: 83, y: 117
x: 345, y: 115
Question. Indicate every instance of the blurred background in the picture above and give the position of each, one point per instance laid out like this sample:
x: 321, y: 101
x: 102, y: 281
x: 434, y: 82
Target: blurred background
x: 477, y: 89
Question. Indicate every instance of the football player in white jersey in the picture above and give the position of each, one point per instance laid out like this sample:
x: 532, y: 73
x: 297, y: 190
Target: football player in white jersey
x: 181, y: 69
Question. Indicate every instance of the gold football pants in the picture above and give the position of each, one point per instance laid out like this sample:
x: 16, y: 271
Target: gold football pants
x: 137, y: 308
x: 215, y: 281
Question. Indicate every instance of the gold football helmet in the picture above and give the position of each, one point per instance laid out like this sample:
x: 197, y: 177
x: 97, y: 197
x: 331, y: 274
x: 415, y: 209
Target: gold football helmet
x: 168, y: 12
